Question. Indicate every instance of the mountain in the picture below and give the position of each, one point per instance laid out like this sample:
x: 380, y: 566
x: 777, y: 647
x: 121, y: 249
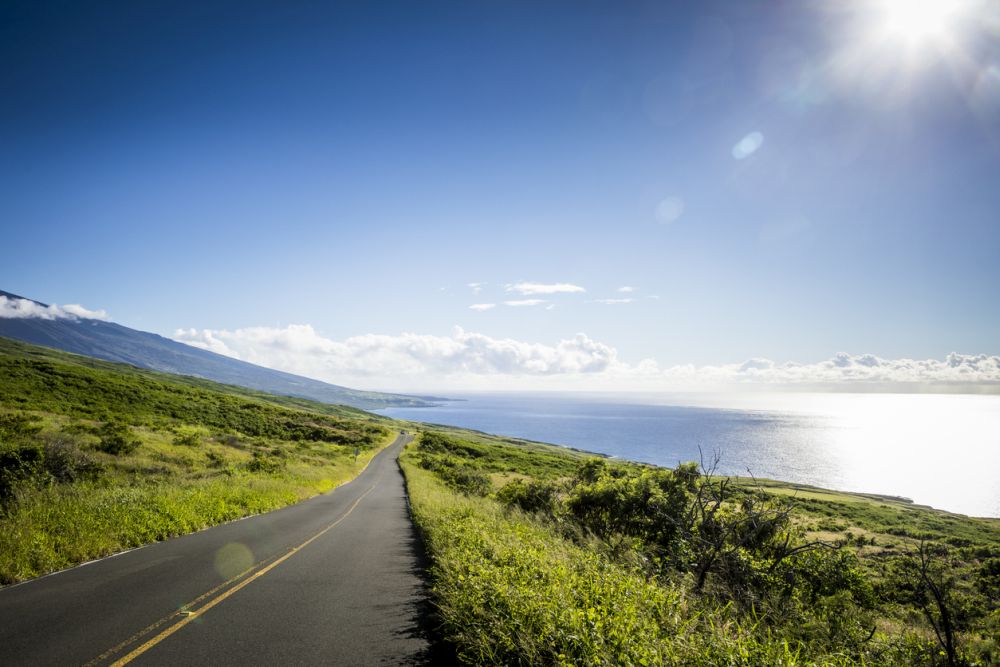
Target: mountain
x: 114, y: 342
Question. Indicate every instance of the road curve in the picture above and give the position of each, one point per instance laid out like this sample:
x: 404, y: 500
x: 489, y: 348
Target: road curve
x: 331, y: 580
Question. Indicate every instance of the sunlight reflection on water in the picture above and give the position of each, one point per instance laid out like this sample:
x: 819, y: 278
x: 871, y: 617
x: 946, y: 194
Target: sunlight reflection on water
x: 939, y: 450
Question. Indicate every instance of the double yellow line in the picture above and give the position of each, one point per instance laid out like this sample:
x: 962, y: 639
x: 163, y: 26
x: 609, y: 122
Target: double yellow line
x: 187, y: 615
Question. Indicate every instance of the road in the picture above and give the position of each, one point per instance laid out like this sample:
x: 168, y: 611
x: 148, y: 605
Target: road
x: 332, y: 580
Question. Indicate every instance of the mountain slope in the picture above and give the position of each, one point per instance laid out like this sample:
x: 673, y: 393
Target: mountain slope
x: 114, y: 342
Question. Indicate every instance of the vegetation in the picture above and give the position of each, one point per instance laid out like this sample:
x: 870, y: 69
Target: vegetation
x: 97, y: 457
x: 561, y: 559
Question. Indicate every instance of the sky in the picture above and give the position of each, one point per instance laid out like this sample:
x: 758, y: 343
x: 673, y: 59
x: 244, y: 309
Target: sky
x: 517, y: 194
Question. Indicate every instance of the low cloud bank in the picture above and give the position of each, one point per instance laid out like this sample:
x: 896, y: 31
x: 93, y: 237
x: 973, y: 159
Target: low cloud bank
x: 299, y: 349
x: 860, y: 369
x: 24, y: 308
x: 467, y: 360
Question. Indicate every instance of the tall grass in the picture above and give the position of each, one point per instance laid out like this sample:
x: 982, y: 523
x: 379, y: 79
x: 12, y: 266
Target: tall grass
x: 511, y: 591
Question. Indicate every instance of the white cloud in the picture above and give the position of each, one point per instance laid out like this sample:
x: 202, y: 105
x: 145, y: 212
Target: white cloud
x: 614, y: 301
x: 467, y: 360
x: 483, y: 306
x: 300, y: 349
x: 476, y: 287
x: 625, y: 289
x: 525, y: 302
x: 850, y: 370
x: 25, y: 308
x: 544, y: 288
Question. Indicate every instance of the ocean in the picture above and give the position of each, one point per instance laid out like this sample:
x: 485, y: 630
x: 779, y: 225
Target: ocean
x: 938, y: 450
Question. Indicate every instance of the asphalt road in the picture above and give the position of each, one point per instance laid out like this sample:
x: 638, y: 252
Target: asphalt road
x: 334, y: 580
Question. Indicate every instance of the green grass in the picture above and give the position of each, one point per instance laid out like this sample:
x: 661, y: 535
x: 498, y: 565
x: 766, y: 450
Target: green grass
x: 510, y: 591
x: 97, y: 457
x: 515, y: 587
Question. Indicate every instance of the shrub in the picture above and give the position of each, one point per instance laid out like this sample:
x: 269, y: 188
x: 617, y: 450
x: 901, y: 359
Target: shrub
x: 53, y: 459
x: 117, y: 439
x: 64, y: 461
x: 264, y: 463
x: 187, y: 438
x: 17, y: 464
x: 457, y: 475
x: 18, y: 426
x: 531, y: 496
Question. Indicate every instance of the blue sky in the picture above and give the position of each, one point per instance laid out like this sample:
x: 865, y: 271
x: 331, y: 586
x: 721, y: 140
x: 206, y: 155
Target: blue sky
x: 788, y: 180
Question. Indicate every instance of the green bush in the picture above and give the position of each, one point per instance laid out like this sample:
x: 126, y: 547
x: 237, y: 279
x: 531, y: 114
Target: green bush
x: 264, y: 463
x: 18, y: 463
x: 17, y: 426
x: 117, y: 439
x: 49, y: 460
x: 187, y: 438
x: 458, y: 475
x: 530, y: 496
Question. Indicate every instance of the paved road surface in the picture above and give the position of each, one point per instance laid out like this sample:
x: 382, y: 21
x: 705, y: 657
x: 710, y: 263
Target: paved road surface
x: 333, y: 580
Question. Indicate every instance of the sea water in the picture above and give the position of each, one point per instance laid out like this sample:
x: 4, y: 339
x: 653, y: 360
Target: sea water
x: 938, y: 450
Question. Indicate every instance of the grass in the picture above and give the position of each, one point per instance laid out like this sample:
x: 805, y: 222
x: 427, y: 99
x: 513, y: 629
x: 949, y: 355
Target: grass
x: 516, y: 587
x: 97, y: 457
x: 510, y: 591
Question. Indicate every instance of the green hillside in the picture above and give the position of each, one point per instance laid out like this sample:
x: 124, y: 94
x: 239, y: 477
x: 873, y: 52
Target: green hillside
x: 553, y: 558
x: 96, y: 457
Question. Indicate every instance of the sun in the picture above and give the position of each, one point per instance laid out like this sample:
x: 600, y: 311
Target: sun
x: 915, y: 21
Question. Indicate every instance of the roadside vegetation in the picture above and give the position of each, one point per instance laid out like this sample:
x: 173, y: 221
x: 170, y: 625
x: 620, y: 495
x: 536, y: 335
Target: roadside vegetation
x: 97, y: 457
x: 550, y: 557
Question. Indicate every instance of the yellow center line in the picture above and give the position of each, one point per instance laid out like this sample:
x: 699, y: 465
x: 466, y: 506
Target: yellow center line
x: 191, y: 615
x: 188, y: 615
x: 183, y: 610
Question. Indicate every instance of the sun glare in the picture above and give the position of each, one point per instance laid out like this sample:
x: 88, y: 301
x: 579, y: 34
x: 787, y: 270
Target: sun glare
x: 915, y: 21
x: 887, y: 46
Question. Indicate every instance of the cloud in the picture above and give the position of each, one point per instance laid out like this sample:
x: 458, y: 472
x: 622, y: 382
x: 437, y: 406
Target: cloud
x: 300, y: 349
x: 855, y: 371
x: 25, y: 309
x: 544, y: 288
x: 748, y: 145
x: 613, y: 301
x: 525, y: 302
x: 483, y: 306
x: 626, y: 289
x: 414, y: 362
x: 476, y: 287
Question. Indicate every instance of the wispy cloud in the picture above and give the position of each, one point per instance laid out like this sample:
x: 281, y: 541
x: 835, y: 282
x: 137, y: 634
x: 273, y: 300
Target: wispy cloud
x: 625, y: 289
x: 476, y: 287
x: 544, y: 288
x: 483, y: 306
x: 524, y: 302
x: 25, y: 309
x: 613, y: 301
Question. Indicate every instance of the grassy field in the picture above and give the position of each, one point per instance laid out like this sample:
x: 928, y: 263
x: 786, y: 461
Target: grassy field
x: 546, y: 557
x: 540, y: 554
x: 97, y: 457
